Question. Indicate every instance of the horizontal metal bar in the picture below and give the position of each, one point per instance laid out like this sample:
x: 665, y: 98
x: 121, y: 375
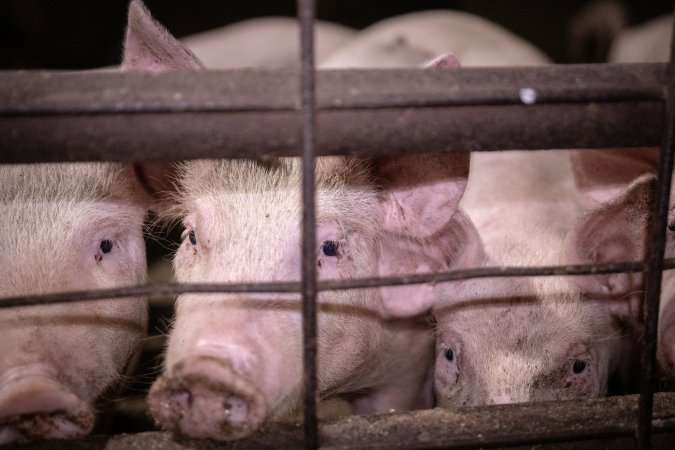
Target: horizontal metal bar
x: 167, y: 289
x: 47, y: 116
x: 575, y: 424
x: 32, y: 92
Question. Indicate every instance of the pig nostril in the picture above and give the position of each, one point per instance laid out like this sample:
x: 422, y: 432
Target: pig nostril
x: 183, y: 400
x: 578, y: 366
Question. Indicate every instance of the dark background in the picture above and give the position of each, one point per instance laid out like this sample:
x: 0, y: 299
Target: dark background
x: 77, y: 34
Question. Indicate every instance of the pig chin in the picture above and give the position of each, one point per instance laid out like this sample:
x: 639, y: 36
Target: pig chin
x: 202, y: 396
x: 34, y: 406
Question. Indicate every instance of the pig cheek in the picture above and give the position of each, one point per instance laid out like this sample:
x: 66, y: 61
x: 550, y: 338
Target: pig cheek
x: 582, y: 385
x: 124, y: 265
x: 446, y: 381
x: 186, y: 263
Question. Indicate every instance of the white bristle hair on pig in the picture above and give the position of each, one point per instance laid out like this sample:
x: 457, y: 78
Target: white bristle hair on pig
x: 66, y: 227
x: 234, y: 361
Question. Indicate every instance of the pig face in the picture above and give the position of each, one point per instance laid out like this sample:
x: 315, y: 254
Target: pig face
x: 242, y: 224
x: 513, y: 340
x: 234, y: 360
x: 66, y: 227
x: 501, y: 347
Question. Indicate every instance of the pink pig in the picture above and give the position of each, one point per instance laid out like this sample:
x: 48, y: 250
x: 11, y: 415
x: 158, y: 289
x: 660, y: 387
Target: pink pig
x: 509, y: 340
x: 234, y: 360
x: 66, y: 227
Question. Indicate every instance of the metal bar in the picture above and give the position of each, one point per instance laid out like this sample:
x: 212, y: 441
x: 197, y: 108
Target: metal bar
x: 587, y: 424
x: 50, y: 117
x: 33, y: 92
x: 654, y: 259
x: 306, y: 15
x: 168, y: 289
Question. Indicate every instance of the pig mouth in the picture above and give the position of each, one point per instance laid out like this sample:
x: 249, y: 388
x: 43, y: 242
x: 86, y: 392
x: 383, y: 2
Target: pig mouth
x: 37, y: 407
x: 203, y: 397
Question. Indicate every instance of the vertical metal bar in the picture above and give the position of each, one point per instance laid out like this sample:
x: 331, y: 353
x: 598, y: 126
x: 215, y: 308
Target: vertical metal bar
x: 309, y: 287
x: 657, y: 239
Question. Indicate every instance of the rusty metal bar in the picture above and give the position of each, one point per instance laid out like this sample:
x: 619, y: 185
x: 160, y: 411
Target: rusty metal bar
x: 655, y: 258
x: 47, y: 116
x: 586, y: 424
x: 306, y: 13
x: 168, y: 289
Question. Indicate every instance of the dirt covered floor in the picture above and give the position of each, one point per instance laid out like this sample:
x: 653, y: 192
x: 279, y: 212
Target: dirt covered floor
x: 606, y: 423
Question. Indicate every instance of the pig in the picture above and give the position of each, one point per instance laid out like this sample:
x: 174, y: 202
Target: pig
x: 474, y: 41
x: 66, y: 227
x: 505, y: 340
x: 234, y: 361
x: 265, y: 42
x: 648, y: 42
x: 604, y: 174
x: 510, y: 340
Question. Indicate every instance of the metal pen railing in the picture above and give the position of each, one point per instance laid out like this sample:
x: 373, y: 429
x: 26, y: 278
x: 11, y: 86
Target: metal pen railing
x: 628, y: 110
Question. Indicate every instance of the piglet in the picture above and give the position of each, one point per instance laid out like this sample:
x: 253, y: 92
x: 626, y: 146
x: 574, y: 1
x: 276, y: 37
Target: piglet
x: 234, y: 361
x: 66, y: 227
x: 509, y: 340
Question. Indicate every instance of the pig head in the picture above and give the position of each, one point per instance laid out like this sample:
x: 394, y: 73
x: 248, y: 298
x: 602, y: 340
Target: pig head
x: 66, y: 227
x: 508, y: 340
x: 234, y: 360
x: 606, y: 175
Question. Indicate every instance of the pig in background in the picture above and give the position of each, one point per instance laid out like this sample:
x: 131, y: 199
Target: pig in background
x: 648, y: 42
x: 234, y: 360
x: 267, y: 42
x: 472, y: 40
x: 66, y: 227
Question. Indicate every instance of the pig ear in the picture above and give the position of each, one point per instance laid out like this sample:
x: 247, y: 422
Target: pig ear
x: 421, y: 192
x: 613, y: 232
x: 444, y: 61
x: 601, y: 175
x: 455, y: 246
x: 149, y: 47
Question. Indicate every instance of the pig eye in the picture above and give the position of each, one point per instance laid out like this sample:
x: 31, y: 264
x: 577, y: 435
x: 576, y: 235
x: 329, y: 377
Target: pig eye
x: 578, y: 366
x: 191, y: 235
x: 329, y: 248
x: 450, y: 355
x: 106, y: 246
x: 671, y: 226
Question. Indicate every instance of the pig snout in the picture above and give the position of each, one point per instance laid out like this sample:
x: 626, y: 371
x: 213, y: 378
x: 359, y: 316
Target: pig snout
x: 202, y: 396
x: 34, y: 405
